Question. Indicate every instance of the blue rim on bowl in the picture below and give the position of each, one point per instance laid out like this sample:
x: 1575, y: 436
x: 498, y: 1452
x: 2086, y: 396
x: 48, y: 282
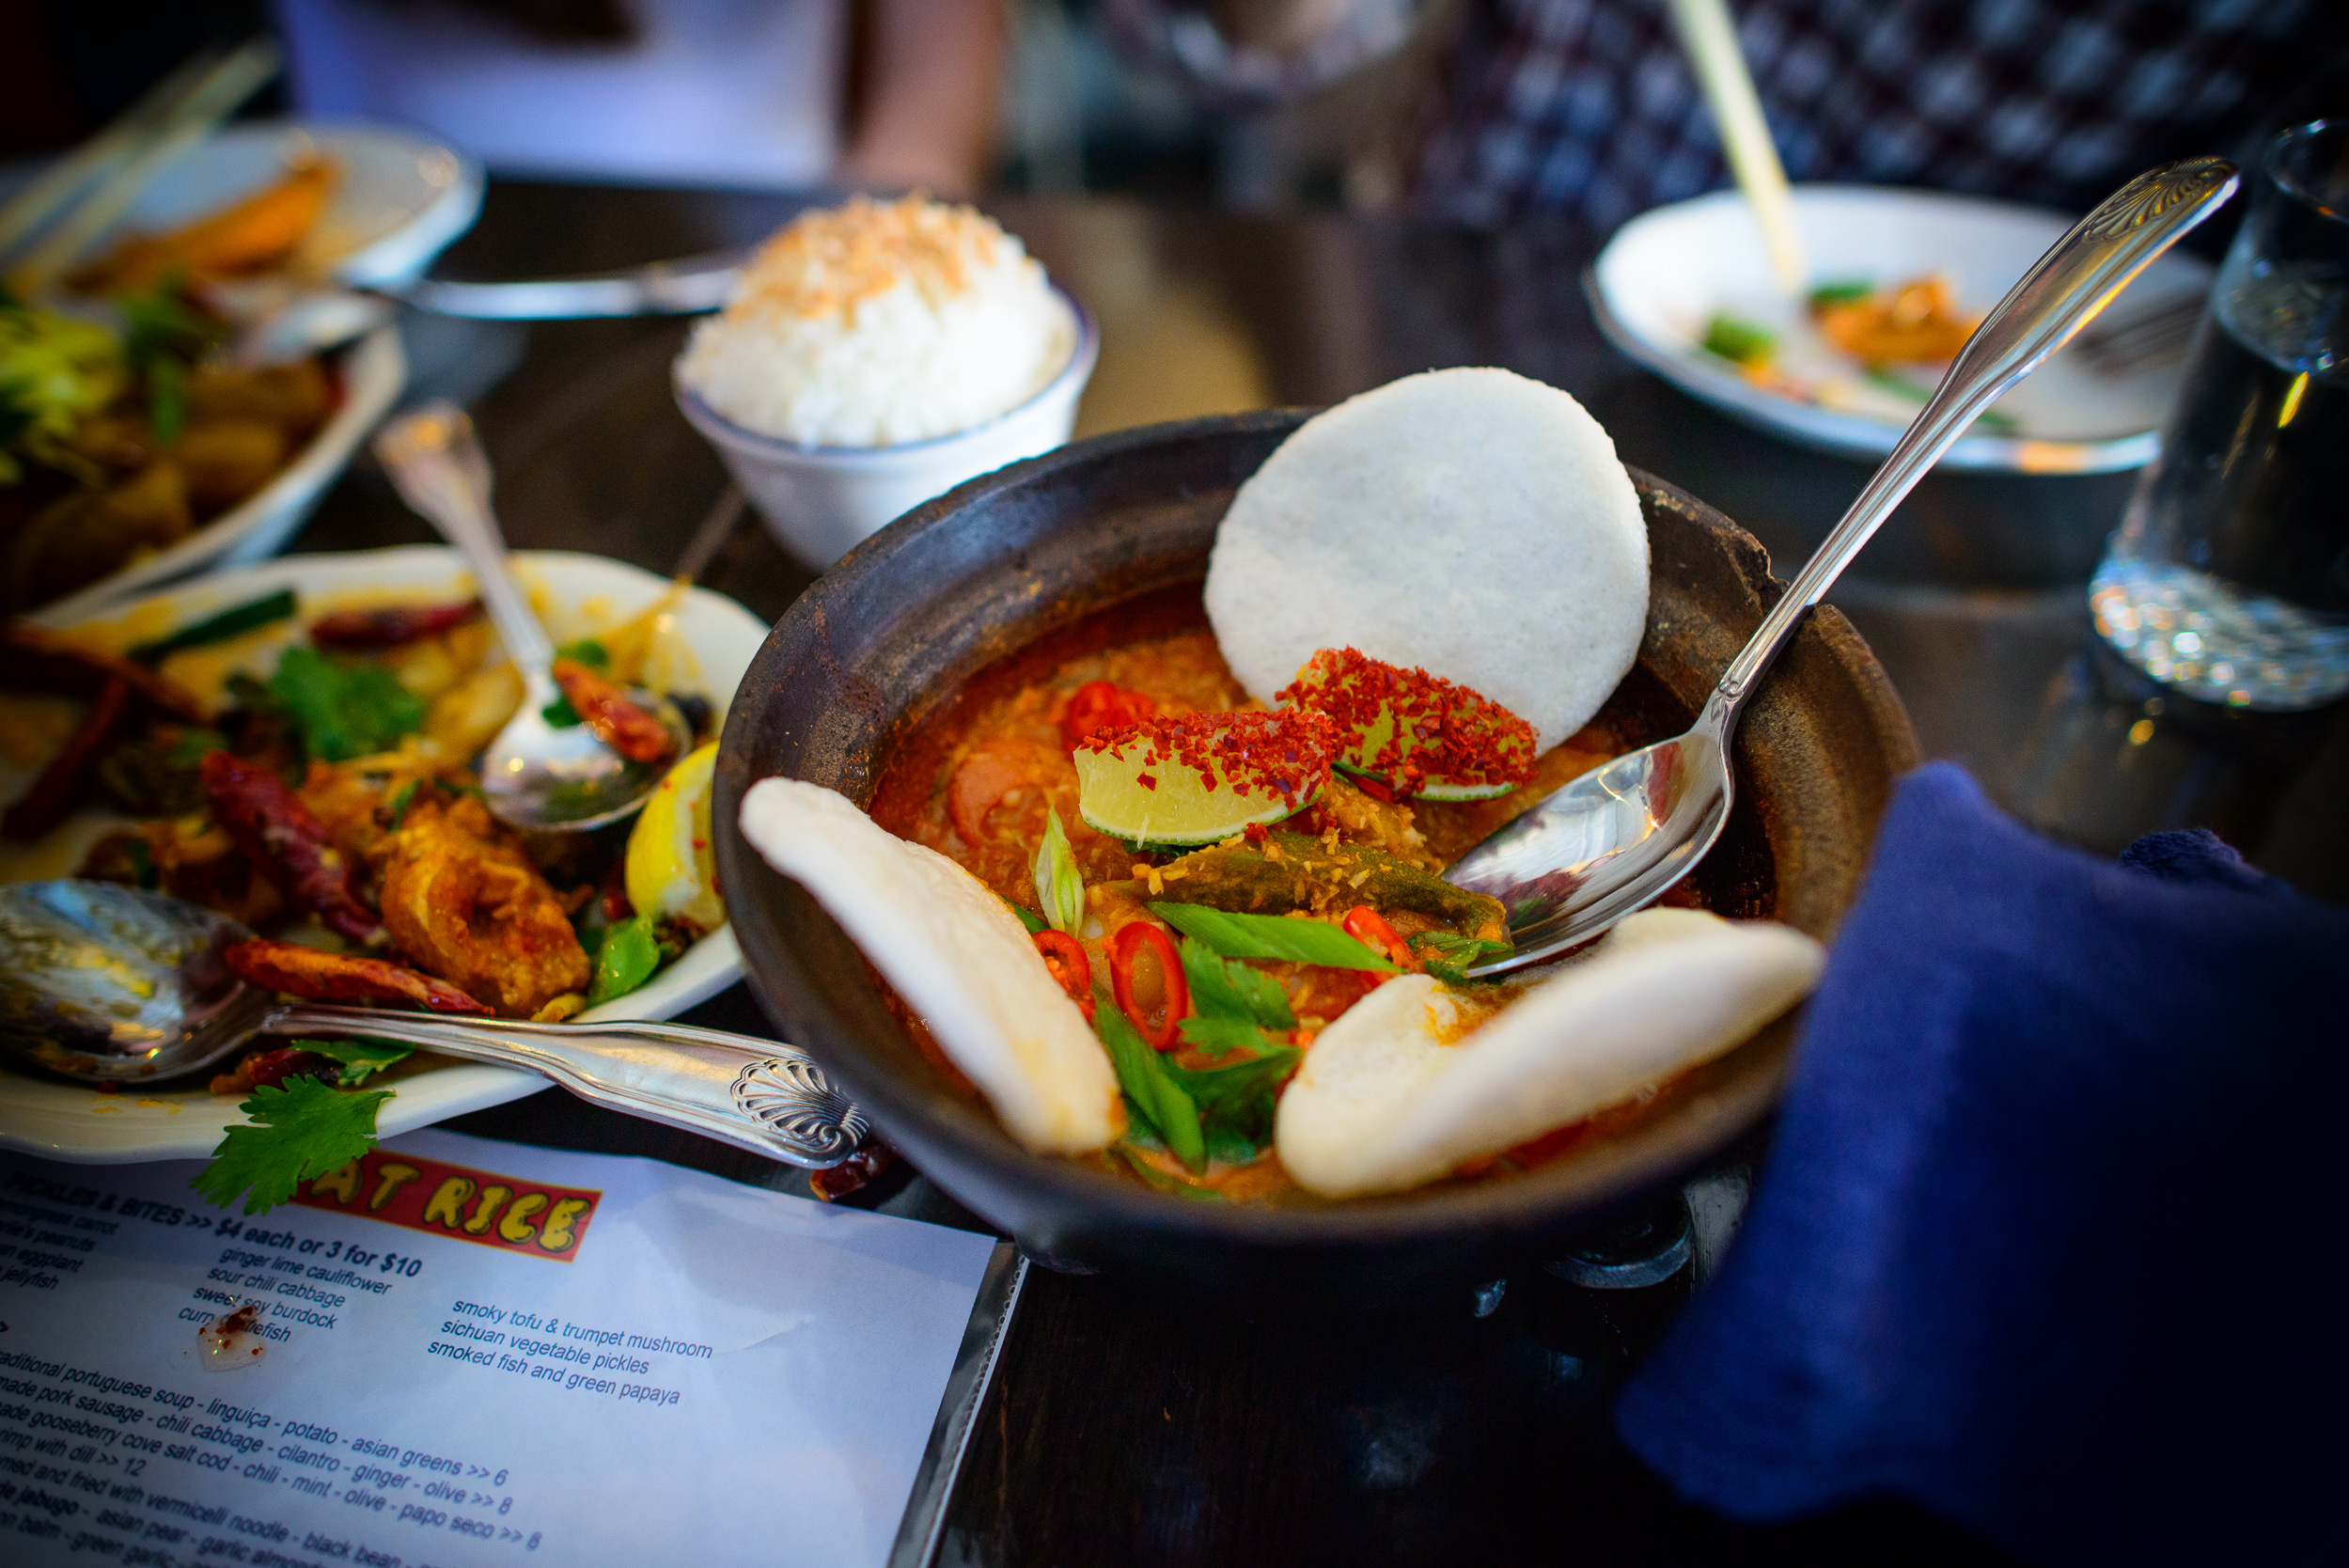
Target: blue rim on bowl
x: 1079, y: 366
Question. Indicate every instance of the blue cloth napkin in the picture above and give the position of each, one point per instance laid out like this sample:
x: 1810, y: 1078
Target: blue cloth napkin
x: 2050, y: 1235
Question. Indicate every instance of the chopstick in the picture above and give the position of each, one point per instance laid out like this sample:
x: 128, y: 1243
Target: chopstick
x: 1711, y: 40
x: 31, y: 207
x: 144, y: 151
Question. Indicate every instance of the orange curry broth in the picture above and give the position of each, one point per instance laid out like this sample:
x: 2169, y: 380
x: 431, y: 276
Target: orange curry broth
x: 975, y: 780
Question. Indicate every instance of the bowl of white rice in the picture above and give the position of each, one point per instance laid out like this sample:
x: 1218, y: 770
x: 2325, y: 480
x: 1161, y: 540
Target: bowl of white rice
x: 876, y: 354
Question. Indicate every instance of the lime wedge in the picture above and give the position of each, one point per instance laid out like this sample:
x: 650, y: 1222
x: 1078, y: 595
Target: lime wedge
x: 1196, y: 778
x: 1416, y: 733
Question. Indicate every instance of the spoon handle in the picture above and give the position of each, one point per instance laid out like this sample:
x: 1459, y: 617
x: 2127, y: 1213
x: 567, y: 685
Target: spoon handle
x: 757, y: 1094
x: 438, y: 466
x: 2062, y: 293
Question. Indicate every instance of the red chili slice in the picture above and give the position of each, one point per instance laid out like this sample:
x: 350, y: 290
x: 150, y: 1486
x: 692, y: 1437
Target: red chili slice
x: 1071, y: 970
x: 60, y: 786
x: 1370, y: 927
x: 1102, y: 705
x: 1124, y: 950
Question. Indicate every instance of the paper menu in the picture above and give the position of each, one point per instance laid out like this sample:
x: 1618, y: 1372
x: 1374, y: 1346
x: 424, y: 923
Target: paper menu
x: 644, y: 1365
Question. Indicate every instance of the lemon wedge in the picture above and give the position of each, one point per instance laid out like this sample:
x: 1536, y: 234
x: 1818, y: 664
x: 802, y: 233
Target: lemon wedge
x: 672, y: 869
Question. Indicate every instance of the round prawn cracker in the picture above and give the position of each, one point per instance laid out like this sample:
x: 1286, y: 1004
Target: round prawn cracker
x: 1473, y: 523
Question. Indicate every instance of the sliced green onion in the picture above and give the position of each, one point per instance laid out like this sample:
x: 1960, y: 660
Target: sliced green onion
x: 1059, y: 885
x: 231, y: 622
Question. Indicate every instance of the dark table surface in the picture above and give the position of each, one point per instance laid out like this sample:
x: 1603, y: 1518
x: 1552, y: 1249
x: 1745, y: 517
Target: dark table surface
x: 1136, y: 1431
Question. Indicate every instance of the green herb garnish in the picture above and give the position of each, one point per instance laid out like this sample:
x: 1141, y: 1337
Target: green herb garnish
x: 1297, y: 941
x: 1841, y: 292
x: 1231, y: 1004
x: 299, y: 1131
x: 344, y: 711
x: 1150, y: 1086
x: 1448, y: 956
x: 1739, y: 342
x: 1028, y: 917
x: 231, y: 622
x: 1059, y: 885
x: 361, y: 1057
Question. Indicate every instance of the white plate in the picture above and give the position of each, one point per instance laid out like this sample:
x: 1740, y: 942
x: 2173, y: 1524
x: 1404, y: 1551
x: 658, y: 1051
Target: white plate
x: 1667, y: 273
x: 373, y: 371
x: 400, y: 201
x: 61, y: 1121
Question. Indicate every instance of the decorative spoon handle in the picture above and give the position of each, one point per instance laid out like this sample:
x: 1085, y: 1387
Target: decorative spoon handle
x: 757, y: 1094
x: 438, y: 466
x: 2062, y: 293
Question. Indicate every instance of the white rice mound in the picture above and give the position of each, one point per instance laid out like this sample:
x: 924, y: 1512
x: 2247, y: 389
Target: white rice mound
x: 1392, y: 1097
x: 1470, y: 523
x: 876, y: 324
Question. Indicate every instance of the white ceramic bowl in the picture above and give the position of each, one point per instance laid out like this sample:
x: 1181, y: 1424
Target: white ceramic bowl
x: 373, y: 371
x: 62, y: 1120
x: 1667, y: 273
x: 822, y: 501
x: 400, y: 203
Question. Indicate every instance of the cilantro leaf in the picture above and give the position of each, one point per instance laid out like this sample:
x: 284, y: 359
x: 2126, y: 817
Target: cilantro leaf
x: 345, y: 710
x: 1035, y: 923
x: 361, y: 1058
x: 1270, y: 936
x: 300, y: 1131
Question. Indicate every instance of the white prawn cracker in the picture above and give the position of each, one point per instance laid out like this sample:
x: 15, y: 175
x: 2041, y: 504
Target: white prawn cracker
x: 1391, y: 1097
x: 1470, y: 523
x: 957, y: 955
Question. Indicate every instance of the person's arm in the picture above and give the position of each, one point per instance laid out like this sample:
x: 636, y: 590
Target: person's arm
x: 934, y: 73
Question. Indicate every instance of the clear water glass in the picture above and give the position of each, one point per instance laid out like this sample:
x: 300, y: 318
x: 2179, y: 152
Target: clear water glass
x: 2229, y: 578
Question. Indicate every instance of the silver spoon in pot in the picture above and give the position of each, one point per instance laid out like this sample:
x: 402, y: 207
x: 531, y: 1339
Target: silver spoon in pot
x: 112, y: 984
x: 1612, y: 841
x: 536, y: 774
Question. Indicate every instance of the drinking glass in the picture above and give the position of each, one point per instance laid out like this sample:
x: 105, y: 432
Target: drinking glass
x: 2229, y: 578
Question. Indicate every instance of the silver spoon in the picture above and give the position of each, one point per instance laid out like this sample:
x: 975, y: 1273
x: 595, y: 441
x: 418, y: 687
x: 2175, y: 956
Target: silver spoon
x: 112, y: 985
x: 1613, y: 840
x: 535, y: 775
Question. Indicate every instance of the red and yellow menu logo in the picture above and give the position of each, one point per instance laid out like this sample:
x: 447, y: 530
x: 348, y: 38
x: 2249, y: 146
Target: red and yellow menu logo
x: 480, y: 1206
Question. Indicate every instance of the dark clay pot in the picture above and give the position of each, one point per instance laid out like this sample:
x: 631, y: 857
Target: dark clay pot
x: 890, y: 632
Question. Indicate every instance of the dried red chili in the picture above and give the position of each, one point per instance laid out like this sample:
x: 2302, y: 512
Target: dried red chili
x: 1071, y: 970
x: 37, y: 658
x: 391, y: 626
x: 58, y: 790
x: 1125, y: 950
x: 1370, y: 927
x: 323, y: 976
x: 1286, y: 754
x: 1435, y: 729
x: 288, y: 844
x: 605, y: 708
x: 1099, y: 706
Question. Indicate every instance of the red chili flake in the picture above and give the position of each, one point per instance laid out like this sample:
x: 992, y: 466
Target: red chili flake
x: 1146, y: 781
x: 1255, y: 833
x: 1286, y: 754
x: 1440, y: 730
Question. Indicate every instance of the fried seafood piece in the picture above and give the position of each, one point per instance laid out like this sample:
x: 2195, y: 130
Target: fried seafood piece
x: 189, y: 858
x: 280, y: 834
x: 462, y: 900
x: 320, y: 975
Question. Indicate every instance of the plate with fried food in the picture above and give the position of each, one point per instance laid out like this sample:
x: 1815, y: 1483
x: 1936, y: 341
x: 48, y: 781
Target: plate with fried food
x: 295, y: 745
x: 1899, y: 279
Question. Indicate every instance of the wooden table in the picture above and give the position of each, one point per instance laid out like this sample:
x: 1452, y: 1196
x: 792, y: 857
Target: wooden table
x: 1126, y: 1430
